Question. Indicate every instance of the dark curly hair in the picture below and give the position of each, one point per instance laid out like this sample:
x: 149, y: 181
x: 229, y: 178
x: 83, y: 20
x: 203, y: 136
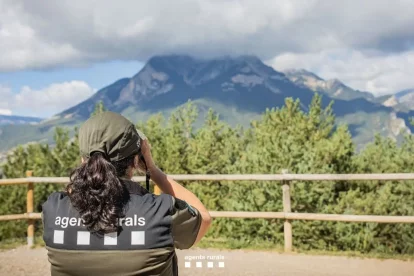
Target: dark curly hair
x: 98, y: 194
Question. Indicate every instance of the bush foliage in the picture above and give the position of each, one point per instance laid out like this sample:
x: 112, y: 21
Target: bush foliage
x: 283, y: 138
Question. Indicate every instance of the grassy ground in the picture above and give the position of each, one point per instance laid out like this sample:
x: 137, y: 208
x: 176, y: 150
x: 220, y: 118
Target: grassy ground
x: 13, y: 243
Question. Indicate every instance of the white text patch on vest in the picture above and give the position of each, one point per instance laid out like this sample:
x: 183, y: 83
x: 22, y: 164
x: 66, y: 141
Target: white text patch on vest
x: 64, y: 222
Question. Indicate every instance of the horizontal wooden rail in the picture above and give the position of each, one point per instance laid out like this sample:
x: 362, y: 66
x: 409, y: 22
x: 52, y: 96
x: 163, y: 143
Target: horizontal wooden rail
x: 13, y: 217
x: 271, y: 215
x: 21, y: 216
x: 350, y: 218
x: 237, y: 177
x: 310, y: 216
x: 14, y: 181
x: 285, y: 178
x: 262, y: 215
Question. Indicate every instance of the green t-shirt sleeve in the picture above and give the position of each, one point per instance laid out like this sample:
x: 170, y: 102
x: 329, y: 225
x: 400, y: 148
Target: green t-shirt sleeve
x: 186, y: 221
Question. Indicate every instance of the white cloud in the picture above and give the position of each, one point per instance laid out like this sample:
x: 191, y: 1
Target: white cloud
x: 5, y: 111
x: 359, y: 42
x: 44, y: 102
x: 366, y: 71
x: 46, y: 34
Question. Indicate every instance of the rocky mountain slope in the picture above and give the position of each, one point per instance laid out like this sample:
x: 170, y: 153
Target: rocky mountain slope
x: 403, y: 100
x: 333, y: 88
x: 238, y: 88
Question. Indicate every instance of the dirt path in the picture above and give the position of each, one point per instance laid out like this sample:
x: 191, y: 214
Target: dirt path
x: 20, y: 261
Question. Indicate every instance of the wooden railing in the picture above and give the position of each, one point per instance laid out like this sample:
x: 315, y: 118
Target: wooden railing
x: 284, y: 178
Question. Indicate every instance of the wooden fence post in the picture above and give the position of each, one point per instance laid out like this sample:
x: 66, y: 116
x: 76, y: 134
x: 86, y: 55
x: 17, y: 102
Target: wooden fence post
x: 287, y: 227
x: 29, y: 210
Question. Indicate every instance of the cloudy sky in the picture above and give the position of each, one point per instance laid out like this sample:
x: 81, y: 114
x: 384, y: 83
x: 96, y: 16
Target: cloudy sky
x: 54, y: 54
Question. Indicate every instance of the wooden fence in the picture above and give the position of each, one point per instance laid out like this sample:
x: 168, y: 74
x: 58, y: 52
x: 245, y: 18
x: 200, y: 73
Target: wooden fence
x: 283, y: 178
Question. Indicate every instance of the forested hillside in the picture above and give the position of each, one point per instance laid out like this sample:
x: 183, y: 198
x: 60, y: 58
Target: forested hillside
x: 284, y: 138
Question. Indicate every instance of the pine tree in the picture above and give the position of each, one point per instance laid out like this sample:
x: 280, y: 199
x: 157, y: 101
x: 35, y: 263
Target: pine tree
x: 99, y: 108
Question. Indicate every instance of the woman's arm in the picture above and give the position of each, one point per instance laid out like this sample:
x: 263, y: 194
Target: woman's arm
x: 171, y: 187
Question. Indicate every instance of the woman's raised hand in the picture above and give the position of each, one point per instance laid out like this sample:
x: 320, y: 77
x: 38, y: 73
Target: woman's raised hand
x: 146, y: 153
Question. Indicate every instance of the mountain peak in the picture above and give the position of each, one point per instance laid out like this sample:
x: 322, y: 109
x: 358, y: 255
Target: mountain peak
x: 404, y: 92
x: 239, y: 59
x: 177, y: 61
x: 171, y: 61
x: 332, y: 87
x: 332, y: 83
x: 298, y: 73
x: 195, y: 71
